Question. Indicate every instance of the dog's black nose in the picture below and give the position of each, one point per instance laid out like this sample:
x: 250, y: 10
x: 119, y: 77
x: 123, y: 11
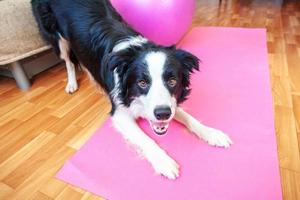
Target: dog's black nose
x: 162, y: 113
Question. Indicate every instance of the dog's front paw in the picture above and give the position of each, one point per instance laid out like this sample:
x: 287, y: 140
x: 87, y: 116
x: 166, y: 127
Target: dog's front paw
x: 164, y: 164
x: 167, y: 167
x: 71, y: 87
x: 216, y: 137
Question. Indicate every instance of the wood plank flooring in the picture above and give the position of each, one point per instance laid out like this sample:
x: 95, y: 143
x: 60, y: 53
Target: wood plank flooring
x: 41, y: 128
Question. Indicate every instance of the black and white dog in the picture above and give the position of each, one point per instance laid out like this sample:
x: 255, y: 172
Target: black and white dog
x: 141, y: 78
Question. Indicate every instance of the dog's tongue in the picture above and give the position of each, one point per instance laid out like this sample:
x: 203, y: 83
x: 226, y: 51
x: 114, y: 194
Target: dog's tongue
x: 160, y: 128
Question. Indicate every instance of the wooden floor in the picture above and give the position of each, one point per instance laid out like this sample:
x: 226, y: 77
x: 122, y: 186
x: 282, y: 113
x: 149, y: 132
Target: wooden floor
x: 41, y: 128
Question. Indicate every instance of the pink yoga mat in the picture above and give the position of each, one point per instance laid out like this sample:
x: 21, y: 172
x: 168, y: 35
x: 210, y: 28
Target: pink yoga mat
x: 232, y: 93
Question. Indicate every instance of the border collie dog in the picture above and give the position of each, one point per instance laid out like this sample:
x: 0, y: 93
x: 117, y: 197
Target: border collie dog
x: 142, y: 79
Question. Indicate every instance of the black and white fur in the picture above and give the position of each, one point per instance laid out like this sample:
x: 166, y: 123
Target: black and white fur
x: 141, y: 78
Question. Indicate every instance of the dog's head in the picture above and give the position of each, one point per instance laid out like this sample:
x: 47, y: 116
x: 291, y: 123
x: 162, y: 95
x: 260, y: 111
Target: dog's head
x: 152, y: 81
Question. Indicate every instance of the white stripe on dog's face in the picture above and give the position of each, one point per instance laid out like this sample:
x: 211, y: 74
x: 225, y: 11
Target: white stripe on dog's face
x: 158, y: 95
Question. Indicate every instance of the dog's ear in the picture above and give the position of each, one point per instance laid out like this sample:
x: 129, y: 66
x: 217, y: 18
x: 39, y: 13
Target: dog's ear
x: 187, y: 60
x: 119, y: 60
x: 189, y: 63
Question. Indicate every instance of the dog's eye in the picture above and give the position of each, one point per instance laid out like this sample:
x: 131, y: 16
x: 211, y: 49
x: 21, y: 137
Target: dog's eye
x: 142, y: 84
x: 172, y: 82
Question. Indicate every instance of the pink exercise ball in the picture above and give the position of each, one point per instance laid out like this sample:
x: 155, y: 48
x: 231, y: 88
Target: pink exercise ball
x: 162, y: 21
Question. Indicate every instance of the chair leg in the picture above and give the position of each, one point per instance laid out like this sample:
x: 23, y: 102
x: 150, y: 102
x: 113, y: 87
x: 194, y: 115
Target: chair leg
x: 20, y: 75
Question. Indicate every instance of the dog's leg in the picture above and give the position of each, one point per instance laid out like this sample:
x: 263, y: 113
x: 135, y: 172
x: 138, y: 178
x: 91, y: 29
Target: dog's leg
x: 64, y: 48
x: 210, y: 135
x: 159, y: 159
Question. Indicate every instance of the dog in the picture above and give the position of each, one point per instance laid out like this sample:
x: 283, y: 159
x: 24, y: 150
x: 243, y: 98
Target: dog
x: 141, y: 78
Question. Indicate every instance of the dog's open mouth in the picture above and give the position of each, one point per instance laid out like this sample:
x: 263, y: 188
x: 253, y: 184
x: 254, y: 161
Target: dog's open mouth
x: 160, y: 128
